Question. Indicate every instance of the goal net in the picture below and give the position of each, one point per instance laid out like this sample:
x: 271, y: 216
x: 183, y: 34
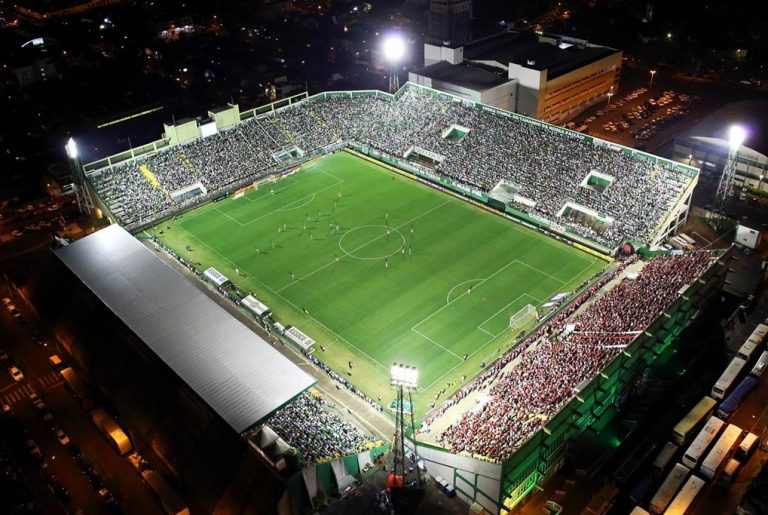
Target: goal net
x: 524, y: 317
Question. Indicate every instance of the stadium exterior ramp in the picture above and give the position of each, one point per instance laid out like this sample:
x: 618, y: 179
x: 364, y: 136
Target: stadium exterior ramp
x: 238, y: 374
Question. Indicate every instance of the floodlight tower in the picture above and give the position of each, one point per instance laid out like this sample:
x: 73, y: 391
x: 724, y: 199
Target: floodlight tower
x: 83, y: 195
x: 736, y: 136
x: 403, y: 379
x: 394, y: 50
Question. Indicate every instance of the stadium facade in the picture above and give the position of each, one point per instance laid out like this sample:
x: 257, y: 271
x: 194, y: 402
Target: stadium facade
x: 498, y: 487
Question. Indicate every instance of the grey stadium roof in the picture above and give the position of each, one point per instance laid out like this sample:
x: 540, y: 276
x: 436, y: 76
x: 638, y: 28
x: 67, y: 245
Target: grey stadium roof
x: 239, y: 375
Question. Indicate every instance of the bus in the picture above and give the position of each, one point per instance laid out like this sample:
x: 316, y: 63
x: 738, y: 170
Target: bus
x: 760, y: 366
x: 731, y: 403
x: 169, y: 499
x: 683, y: 500
x: 112, y: 431
x: 728, y: 377
x: 754, y: 342
x: 720, y: 451
x: 701, y: 412
x: 664, y: 457
x: 761, y: 332
x: 701, y: 442
x: 668, y: 488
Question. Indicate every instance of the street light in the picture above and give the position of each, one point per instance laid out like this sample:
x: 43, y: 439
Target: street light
x: 610, y: 94
x: 394, y: 50
x: 650, y: 85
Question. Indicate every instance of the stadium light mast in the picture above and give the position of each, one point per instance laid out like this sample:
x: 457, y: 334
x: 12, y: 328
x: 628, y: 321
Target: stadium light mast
x: 394, y: 50
x: 82, y: 194
x: 736, y: 137
x: 403, y: 379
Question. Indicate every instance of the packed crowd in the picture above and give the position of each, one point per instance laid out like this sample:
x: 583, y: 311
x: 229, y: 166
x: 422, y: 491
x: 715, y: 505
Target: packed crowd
x: 570, y: 349
x: 545, y: 165
x: 315, y: 431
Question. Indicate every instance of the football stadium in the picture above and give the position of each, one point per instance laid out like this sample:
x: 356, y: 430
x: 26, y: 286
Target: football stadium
x: 514, y: 263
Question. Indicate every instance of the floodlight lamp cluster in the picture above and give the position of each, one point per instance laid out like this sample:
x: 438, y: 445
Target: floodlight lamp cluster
x: 71, y: 148
x: 394, y: 48
x: 736, y: 135
x: 405, y: 376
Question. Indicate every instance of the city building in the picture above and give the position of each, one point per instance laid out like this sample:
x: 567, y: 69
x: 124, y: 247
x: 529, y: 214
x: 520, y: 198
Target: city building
x: 450, y: 21
x: 543, y: 76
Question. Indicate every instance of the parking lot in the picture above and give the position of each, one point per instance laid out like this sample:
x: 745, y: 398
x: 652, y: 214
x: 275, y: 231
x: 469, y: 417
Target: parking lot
x: 638, y: 116
x: 645, y: 119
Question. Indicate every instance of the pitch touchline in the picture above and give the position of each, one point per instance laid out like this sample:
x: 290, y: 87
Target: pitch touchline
x: 235, y: 265
x: 361, y: 246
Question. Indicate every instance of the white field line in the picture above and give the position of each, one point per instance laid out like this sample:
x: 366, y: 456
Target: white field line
x: 308, y: 202
x: 502, y: 309
x: 481, y: 347
x: 277, y: 190
x: 448, y: 297
x: 544, y: 273
x: 362, y: 246
x: 238, y: 222
x: 235, y: 265
x: 438, y: 310
x: 433, y: 341
x: 281, y: 208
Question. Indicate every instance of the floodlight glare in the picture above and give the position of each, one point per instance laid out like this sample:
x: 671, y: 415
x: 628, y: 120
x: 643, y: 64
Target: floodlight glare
x: 736, y: 135
x: 405, y: 376
x: 71, y: 149
x: 394, y: 48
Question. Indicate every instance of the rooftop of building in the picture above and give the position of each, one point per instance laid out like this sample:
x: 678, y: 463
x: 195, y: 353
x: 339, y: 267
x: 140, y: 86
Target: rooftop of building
x: 750, y: 114
x: 467, y: 74
x: 237, y: 373
x: 554, y: 53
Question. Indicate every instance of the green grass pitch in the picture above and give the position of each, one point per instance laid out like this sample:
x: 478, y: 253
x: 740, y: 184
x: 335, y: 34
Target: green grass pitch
x: 413, y: 275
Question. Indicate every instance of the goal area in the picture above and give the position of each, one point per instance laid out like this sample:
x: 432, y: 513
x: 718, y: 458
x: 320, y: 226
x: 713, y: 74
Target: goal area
x: 524, y: 317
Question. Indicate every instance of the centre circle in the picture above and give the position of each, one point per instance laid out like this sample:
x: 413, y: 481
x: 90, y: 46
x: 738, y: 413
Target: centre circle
x: 372, y: 242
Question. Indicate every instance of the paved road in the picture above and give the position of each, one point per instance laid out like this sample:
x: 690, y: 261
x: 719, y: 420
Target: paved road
x: 26, y: 422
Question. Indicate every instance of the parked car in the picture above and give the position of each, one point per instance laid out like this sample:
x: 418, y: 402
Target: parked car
x: 16, y: 374
x: 36, y: 401
x: 61, y: 436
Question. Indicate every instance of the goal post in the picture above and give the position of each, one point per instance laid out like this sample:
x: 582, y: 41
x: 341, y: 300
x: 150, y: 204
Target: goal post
x: 523, y: 317
x: 271, y: 179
